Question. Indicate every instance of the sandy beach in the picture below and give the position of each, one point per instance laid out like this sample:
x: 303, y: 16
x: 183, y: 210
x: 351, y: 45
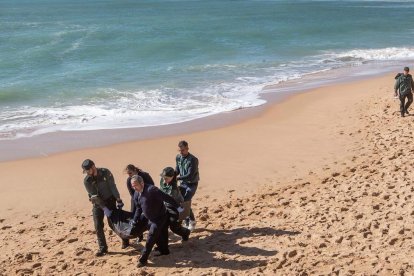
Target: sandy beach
x: 317, y: 184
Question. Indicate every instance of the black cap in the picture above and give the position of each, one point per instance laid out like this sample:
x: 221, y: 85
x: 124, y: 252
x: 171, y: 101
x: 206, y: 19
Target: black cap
x: 87, y: 164
x: 168, y: 171
x: 406, y: 69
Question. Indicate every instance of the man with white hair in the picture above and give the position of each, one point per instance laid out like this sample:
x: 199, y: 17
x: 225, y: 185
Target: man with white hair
x: 149, y: 201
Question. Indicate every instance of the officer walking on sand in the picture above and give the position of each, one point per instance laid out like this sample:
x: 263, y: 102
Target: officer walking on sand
x: 187, y: 169
x: 404, y: 85
x: 149, y: 201
x: 99, y: 182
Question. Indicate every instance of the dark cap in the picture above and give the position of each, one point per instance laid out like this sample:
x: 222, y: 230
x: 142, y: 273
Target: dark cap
x: 168, y: 172
x: 87, y: 164
x: 406, y: 69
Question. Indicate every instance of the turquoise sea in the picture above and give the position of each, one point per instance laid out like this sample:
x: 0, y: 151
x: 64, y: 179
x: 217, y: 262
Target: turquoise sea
x: 96, y: 64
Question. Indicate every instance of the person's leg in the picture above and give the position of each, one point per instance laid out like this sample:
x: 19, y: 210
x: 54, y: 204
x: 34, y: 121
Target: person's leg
x: 189, y: 194
x: 409, y: 102
x: 162, y: 241
x: 153, y: 235
x: 178, y: 229
x: 98, y: 220
x: 132, y: 206
x: 402, y: 104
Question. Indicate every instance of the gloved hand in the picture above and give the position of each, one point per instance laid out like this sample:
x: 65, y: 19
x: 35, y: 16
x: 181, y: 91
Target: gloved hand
x: 132, y: 223
x: 107, y: 212
x: 119, y: 204
x: 180, y: 209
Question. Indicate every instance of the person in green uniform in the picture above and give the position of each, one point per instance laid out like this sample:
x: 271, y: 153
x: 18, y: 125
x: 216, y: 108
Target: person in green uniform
x: 99, y: 182
x: 404, y: 86
x: 188, y: 175
x: 168, y: 185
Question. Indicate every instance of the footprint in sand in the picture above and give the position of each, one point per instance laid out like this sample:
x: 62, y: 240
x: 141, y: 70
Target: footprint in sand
x: 73, y: 240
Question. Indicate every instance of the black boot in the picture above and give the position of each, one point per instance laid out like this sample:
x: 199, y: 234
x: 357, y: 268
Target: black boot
x: 186, y: 235
x: 101, y: 252
x: 161, y: 253
x: 143, y: 261
x: 125, y: 244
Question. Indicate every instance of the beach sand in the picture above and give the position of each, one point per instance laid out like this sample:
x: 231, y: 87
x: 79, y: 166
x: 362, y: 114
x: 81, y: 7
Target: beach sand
x: 317, y: 184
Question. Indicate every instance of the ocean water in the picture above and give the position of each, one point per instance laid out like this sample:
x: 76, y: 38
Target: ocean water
x: 96, y: 64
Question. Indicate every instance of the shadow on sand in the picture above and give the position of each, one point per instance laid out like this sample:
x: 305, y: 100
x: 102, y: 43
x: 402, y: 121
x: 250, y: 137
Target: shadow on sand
x: 202, y: 253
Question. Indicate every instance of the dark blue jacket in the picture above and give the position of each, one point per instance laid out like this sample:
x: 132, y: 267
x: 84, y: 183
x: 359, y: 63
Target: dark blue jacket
x: 151, y: 203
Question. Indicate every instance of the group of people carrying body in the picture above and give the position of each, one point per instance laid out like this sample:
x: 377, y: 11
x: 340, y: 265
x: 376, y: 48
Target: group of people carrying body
x: 152, y: 208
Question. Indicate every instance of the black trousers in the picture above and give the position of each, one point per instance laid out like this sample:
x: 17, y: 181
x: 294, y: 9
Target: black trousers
x: 405, y: 105
x: 178, y: 229
x: 175, y: 224
x: 157, y: 235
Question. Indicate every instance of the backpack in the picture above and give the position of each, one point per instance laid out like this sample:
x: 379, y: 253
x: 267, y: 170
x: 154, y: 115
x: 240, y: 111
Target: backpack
x: 398, y: 75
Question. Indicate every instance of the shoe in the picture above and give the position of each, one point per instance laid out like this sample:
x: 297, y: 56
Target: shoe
x: 192, y: 225
x: 125, y: 244
x: 186, y: 236
x: 141, y: 264
x: 185, y: 223
x: 406, y: 112
x: 402, y: 115
x: 101, y: 252
x: 159, y: 253
x: 139, y: 239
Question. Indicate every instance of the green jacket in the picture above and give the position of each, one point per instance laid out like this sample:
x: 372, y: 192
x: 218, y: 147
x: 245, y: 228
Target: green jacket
x: 187, y: 168
x: 171, y: 190
x: 404, y: 84
x: 103, y: 185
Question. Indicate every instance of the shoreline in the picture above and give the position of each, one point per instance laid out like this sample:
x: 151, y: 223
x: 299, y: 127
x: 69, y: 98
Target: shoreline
x: 51, y: 143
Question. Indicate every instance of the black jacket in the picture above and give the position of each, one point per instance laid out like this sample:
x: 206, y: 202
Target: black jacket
x: 151, y: 203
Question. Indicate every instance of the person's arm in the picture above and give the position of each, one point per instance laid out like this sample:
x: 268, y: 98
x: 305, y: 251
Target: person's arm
x: 89, y: 189
x: 175, y: 193
x: 192, y: 170
x: 396, y: 86
x: 112, y: 186
x: 177, y: 168
x: 138, y: 209
x: 412, y: 84
x: 168, y: 199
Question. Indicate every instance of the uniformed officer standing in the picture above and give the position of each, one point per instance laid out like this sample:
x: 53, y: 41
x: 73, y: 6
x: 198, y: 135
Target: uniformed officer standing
x: 149, y: 201
x: 100, y: 182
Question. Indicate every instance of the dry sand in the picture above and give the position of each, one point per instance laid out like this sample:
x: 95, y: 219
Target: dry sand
x: 318, y: 184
